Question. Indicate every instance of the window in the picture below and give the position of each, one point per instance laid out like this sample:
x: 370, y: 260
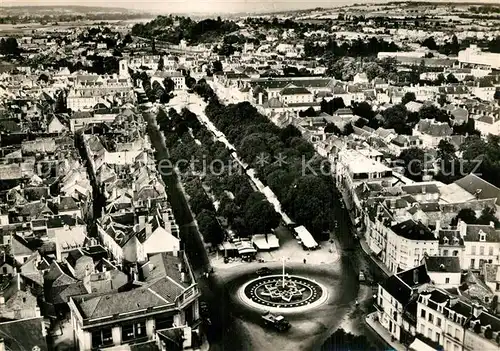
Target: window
x: 429, y: 333
x: 133, y: 331
x: 422, y: 329
x: 447, y: 281
x: 422, y: 313
x: 4, y: 270
x: 481, y: 250
x: 472, y: 263
x: 102, y: 337
x: 445, y: 252
x: 490, y: 250
x: 438, y: 337
x: 438, y: 321
x: 431, y: 318
x: 450, y: 330
x: 457, y: 333
x: 473, y: 250
x: 165, y: 322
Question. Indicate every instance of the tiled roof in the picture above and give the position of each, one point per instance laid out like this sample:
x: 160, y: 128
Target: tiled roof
x: 397, y: 289
x: 474, y: 230
x: 24, y: 334
x: 473, y: 184
x: 294, y: 91
x: 420, y: 189
x: 159, y: 293
x: 415, y: 276
x: 449, y: 264
x: 413, y: 230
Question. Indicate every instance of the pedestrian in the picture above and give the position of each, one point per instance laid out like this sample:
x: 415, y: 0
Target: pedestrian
x: 304, y: 260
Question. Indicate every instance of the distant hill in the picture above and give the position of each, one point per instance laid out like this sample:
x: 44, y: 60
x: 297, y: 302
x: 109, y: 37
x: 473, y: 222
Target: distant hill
x: 65, y: 10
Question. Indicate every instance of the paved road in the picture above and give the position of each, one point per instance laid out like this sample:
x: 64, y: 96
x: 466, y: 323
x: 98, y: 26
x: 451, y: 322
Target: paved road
x: 237, y: 328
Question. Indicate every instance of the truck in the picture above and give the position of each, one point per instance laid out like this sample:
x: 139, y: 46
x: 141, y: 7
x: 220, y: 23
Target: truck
x: 277, y: 322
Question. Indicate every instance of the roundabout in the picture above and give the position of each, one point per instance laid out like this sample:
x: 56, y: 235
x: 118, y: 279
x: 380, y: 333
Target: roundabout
x: 283, y: 293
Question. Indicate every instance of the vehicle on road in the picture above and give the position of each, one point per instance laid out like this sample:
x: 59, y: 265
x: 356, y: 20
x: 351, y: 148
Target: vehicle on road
x: 277, y: 322
x: 362, y: 277
x: 204, y: 309
x: 263, y: 271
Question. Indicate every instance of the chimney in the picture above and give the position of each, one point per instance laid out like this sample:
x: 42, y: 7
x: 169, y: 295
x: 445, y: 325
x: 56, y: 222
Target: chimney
x: 442, y: 267
x: 149, y: 229
x: 476, y: 310
x: 183, y: 277
x: 2, y: 300
x: 393, y: 203
x: 492, y: 224
x: 142, y: 222
x: 462, y: 228
x: 2, y: 344
x: 415, y: 276
x: 438, y: 228
x: 424, y: 189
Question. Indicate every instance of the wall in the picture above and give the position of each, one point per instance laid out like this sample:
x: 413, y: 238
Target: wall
x: 439, y: 278
x: 389, y: 306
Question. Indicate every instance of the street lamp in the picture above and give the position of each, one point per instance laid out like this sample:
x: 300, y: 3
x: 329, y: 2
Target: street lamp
x: 283, y: 259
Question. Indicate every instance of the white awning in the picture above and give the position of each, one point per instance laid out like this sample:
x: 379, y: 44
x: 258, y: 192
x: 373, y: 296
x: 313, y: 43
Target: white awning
x: 376, y: 250
x: 306, y: 237
x: 259, y: 240
x: 419, y: 345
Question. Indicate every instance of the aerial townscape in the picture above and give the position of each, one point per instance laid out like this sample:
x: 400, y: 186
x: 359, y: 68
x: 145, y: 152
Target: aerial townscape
x: 322, y: 179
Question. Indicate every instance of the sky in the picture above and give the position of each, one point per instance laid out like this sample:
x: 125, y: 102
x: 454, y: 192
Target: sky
x: 204, y: 6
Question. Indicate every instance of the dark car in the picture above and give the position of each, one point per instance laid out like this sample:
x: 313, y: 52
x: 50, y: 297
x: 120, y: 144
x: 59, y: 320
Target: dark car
x: 277, y: 322
x: 263, y: 271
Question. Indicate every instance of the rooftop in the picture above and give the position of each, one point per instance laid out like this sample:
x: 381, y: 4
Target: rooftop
x: 412, y: 230
x: 445, y: 264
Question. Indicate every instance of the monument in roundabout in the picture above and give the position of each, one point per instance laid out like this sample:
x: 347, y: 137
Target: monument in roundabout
x: 283, y: 292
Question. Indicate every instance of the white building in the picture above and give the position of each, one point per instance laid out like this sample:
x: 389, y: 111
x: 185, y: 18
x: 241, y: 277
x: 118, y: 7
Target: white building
x: 474, y: 56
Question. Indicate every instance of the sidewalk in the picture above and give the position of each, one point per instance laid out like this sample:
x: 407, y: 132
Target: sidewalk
x: 368, y: 251
x: 383, y: 333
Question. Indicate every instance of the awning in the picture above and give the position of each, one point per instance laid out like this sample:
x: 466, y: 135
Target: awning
x: 259, y: 241
x: 247, y: 250
x: 306, y: 237
x: 419, y: 345
x: 376, y: 250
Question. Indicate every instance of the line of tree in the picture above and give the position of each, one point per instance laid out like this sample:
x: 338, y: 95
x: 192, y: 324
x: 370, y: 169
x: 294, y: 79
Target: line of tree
x: 355, y: 48
x: 283, y: 160
x: 448, y: 48
x: 246, y: 210
x: 468, y: 215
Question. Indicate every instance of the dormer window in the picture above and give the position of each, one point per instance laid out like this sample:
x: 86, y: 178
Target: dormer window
x: 446, y: 240
x: 482, y: 236
x: 455, y: 240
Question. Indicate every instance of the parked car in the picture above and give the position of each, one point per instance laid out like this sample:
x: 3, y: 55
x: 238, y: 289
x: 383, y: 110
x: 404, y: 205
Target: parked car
x: 362, y: 277
x: 277, y: 322
x: 263, y: 271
